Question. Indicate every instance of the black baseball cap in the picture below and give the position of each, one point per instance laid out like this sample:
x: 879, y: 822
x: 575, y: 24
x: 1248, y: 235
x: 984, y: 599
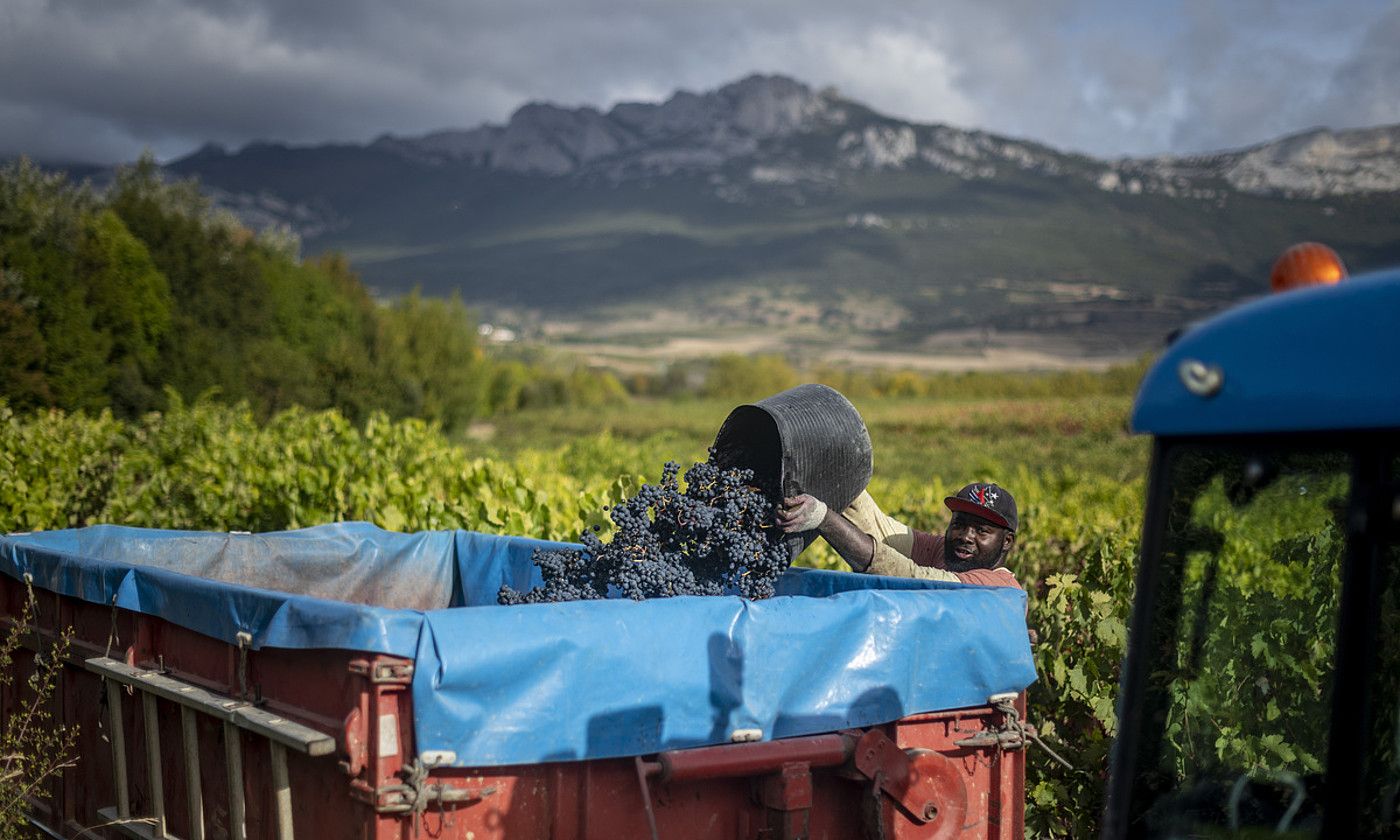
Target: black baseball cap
x: 988, y: 501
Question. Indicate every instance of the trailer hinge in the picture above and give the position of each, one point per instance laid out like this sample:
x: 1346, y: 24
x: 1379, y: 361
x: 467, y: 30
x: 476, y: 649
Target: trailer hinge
x: 925, y: 785
x: 1004, y: 738
x: 383, y: 673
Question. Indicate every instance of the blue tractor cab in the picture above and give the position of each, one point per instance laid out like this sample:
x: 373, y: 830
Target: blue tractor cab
x: 1260, y: 695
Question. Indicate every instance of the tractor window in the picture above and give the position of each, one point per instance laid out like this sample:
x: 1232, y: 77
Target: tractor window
x: 1380, y: 810
x: 1241, y: 680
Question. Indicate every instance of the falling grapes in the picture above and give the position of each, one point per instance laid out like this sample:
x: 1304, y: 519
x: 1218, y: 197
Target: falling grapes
x: 715, y: 537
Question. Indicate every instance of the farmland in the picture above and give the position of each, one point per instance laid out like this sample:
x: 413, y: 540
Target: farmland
x: 1076, y: 471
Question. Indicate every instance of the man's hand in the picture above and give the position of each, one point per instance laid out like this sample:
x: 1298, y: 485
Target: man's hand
x: 801, y: 513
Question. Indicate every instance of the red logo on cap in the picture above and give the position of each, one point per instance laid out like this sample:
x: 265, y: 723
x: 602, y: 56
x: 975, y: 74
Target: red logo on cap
x: 982, y: 494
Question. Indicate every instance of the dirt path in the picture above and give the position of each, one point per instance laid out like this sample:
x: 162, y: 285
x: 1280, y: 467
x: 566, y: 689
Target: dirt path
x: 632, y: 358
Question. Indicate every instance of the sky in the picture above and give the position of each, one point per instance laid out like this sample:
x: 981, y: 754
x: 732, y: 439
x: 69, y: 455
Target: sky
x: 104, y: 80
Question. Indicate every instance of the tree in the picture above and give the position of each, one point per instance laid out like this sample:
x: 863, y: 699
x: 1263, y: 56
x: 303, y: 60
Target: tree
x: 42, y: 221
x: 22, y: 379
x: 219, y: 301
x: 130, y: 300
x: 431, y: 350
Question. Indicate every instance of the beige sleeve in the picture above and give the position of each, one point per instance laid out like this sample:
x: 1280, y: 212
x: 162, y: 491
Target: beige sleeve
x: 890, y: 562
x: 894, y: 542
x: 888, y: 531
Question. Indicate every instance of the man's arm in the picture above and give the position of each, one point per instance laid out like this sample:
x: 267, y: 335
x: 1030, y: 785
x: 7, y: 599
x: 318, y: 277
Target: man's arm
x: 855, y: 546
x: 867, y: 516
x: 923, y: 548
x: 867, y: 554
x: 880, y: 552
x: 887, y: 561
x: 862, y: 550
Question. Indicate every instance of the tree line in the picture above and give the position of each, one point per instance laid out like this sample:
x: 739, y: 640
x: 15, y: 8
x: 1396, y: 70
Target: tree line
x: 125, y: 298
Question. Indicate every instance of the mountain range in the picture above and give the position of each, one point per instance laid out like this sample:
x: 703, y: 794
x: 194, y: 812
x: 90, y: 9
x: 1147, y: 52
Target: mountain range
x: 769, y: 207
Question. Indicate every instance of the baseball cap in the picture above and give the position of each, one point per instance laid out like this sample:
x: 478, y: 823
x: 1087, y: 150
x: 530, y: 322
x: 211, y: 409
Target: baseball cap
x: 988, y: 501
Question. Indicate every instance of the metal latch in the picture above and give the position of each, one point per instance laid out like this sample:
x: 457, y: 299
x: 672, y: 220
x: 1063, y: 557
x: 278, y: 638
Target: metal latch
x: 383, y: 673
x: 416, y: 793
x: 1013, y: 734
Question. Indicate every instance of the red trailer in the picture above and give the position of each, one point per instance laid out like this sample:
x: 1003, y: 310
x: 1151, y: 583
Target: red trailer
x: 186, y: 735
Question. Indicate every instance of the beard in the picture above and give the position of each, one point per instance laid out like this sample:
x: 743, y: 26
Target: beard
x: 981, y: 558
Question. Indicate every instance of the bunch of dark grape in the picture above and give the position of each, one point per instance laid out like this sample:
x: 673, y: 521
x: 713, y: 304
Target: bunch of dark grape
x: 715, y: 537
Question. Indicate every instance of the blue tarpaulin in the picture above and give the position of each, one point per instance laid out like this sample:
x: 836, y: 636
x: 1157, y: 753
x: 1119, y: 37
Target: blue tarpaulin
x: 500, y: 685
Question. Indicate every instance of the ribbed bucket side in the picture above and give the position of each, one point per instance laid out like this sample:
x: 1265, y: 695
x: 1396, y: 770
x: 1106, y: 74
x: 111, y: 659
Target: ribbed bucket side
x: 808, y: 439
x: 826, y: 447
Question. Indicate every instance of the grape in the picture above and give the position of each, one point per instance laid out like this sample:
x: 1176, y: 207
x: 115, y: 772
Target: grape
x: 715, y: 537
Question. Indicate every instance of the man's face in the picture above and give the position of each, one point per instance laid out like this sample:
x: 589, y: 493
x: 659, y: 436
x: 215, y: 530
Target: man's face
x: 972, y: 542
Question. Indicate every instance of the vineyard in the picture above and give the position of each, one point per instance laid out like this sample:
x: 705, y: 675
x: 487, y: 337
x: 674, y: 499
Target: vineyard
x: 1076, y: 472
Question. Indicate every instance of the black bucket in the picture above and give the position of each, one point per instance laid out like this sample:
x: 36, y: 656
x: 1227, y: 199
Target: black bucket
x: 807, y: 439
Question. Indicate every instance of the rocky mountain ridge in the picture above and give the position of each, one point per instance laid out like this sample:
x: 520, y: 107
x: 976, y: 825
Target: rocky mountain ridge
x: 1314, y: 163
x: 687, y: 131
x: 767, y: 197
x: 751, y: 119
x: 761, y: 121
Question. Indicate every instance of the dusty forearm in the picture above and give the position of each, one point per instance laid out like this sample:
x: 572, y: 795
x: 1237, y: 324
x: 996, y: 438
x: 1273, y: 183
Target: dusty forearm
x: 855, y: 546
x: 866, y: 554
x: 874, y: 543
x: 888, y: 561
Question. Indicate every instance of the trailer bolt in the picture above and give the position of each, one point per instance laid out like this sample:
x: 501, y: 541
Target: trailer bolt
x: 930, y: 812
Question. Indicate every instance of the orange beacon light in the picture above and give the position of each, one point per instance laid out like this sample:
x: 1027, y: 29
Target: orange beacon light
x: 1307, y: 264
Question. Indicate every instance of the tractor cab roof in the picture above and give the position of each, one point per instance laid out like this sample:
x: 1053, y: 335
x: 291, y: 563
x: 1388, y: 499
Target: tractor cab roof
x: 1314, y: 359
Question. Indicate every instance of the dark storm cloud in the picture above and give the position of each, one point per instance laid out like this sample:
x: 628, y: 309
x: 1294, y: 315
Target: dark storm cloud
x: 163, y: 72
x: 102, y: 80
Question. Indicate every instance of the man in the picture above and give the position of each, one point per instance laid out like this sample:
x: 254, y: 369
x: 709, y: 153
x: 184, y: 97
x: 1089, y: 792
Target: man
x: 974, y: 549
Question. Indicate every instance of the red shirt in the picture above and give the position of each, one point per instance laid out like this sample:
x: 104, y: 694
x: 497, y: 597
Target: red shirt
x: 928, y: 551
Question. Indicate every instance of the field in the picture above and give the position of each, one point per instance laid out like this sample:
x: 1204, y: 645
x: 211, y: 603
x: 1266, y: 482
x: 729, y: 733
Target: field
x: 912, y: 438
x: 1076, y: 472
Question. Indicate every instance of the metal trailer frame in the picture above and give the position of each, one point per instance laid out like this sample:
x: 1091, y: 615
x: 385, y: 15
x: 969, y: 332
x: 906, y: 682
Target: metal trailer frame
x: 318, y: 743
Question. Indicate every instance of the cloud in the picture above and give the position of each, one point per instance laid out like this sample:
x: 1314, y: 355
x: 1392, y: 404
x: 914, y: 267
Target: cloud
x: 104, y: 80
x: 60, y: 135
x: 1365, y: 88
x: 896, y: 70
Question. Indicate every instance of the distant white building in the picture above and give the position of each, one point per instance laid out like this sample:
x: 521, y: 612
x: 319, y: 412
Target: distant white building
x: 498, y: 335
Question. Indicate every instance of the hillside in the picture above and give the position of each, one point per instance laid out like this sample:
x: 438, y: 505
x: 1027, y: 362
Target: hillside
x: 769, y: 209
